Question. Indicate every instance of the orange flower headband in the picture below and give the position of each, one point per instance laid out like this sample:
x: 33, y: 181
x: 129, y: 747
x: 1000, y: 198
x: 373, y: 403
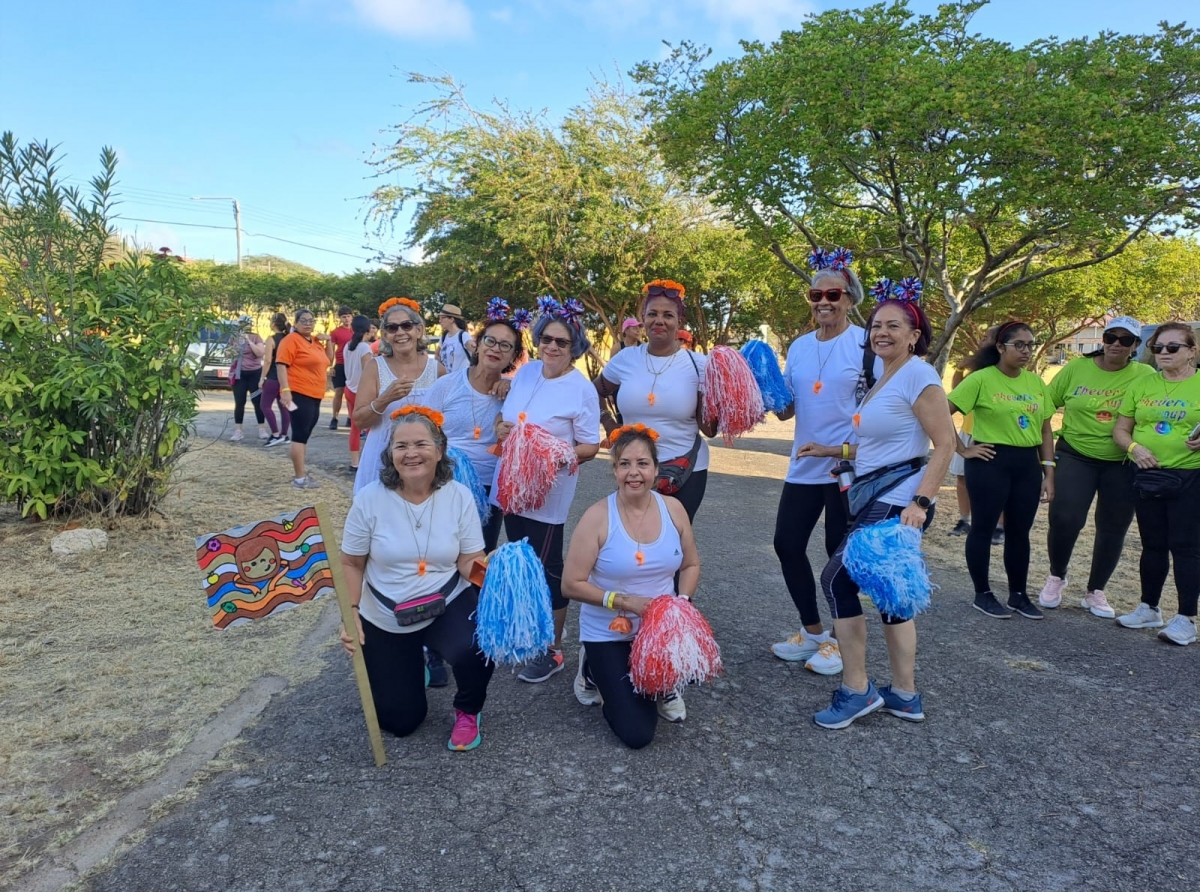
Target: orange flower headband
x: 399, y: 302
x: 634, y: 429
x: 664, y: 288
x: 424, y: 411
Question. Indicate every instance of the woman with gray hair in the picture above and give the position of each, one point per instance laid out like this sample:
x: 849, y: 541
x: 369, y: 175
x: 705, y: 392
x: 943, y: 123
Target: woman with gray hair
x: 399, y: 375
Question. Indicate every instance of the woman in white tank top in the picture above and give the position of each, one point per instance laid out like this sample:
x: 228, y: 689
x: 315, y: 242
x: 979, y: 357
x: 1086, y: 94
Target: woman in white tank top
x: 624, y: 552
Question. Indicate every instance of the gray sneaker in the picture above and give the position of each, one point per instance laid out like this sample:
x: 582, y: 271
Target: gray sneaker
x: 305, y: 483
x: 1143, y: 617
x: 1181, y: 630
x: 541, y: 668
x: 585, y: 689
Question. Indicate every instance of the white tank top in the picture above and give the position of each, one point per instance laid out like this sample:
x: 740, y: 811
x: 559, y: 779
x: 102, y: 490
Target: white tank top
x: 371, y: 461
x: 617, y: 570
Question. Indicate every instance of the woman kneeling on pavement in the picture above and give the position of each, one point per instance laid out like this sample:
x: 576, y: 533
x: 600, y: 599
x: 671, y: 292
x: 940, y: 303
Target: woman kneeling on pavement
x: 624, y: 552
x: 412, y: 533
x: 1159, y: 429
x: 897, y: 419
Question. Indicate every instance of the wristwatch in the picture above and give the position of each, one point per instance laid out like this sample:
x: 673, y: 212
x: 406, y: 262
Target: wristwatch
x: 923, y: 502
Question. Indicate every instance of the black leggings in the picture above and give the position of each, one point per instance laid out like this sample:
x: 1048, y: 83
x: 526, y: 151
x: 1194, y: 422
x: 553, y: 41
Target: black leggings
x: 1009, y: 484
x: 304, y: 417
x: 1171, y: 534
x: 632, y: 716
x: 800, y: 507
x: 1077, y: 481
x: 245, y: 384
x: 547, y: 541
x: 396, y: 665
x: 491, y: 529
x: 691, y: 494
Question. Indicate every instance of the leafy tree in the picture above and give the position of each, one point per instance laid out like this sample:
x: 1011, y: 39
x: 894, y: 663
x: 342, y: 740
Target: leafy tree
x: 982, y: 167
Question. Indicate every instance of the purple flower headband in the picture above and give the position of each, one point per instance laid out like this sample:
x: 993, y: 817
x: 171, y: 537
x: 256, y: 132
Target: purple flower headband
x: 570, y: 311
x: 497, y: 311
x: 909, y: 289
x: 839, y: 259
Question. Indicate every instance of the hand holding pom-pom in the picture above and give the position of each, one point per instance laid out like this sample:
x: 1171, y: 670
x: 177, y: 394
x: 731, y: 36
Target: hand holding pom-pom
x: 673, y: 648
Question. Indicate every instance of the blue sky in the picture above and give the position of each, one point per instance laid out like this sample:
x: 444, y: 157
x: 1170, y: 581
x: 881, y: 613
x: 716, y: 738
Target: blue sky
x: 279, y: 103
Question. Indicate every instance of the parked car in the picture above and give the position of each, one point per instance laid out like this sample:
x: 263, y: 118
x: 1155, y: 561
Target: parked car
x: 209, y: 355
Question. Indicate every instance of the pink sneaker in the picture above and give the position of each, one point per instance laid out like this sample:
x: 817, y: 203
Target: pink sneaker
x: 465, y: 735
x: 1097, y: 604
x: 1051, y: 595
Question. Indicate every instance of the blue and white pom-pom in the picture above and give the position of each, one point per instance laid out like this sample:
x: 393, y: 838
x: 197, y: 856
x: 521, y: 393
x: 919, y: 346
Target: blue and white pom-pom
x: 885, y: 560
x: 513, y: 622
x: 763, y: 362
x: 464, y: 473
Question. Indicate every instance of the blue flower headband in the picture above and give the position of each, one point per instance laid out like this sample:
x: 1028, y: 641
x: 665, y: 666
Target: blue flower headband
x: 908, y: 289
x: 570, y: 311
x: 839, y: 259
x: 497, y: 311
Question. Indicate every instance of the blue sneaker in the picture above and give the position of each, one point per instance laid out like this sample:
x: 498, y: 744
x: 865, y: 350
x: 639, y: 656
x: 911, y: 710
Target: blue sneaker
x: 844, y: 708
x: 909, y: 710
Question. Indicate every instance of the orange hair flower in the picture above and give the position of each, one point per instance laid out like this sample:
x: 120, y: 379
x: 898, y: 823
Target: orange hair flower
x: 652, y: 289
x: 424, y: 411
x: 399, y: 302
x: 638, y: 428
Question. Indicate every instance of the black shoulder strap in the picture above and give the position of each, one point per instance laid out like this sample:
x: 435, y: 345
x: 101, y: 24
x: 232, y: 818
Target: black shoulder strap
x: 869, y: 365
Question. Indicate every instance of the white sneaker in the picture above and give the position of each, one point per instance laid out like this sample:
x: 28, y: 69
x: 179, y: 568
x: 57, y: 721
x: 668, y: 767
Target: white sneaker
x: 1052, y: 591
x: 1144, y: 617
x: 585, y: 691
x: 238, y: 436
x: 1095, y: 603
x: 1180, y: 630
x: 264, y: 434
x: 796, y: 649
x: 672, y: 708
x: 827, y: 660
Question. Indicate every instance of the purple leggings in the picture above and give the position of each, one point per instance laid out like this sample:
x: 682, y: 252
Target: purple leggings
x: 270, y: 396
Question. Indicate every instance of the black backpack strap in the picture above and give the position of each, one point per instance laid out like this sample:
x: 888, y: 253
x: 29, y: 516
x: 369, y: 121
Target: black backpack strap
x: 868, y: 364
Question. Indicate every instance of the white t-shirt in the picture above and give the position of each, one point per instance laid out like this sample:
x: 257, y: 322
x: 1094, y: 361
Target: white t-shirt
x: 889, y: 431
x: 569, y: 409
x: 353, y: 360
x: 452, y: 351
x: 381, y: 527
x: 464, y: 409
x: 825, y: 417
x: 673, y: 414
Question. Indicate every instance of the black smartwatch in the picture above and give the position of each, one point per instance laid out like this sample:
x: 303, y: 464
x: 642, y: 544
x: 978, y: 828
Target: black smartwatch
x: 923, y: 502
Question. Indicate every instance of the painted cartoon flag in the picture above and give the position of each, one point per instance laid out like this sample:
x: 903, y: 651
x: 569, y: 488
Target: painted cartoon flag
x: 255, y: 570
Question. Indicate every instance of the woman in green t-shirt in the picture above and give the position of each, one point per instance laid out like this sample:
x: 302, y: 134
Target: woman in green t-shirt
x: 1159, y: 429
x: 1010, y: 465
x: 1090, y: 466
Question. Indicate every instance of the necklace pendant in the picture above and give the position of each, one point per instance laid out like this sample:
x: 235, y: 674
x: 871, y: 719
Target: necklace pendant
x: 639, y: 557
x: 650, y: 398
x: 816, y: 387
x: 421, y: 567
x: 418, y: 524
x: 478, y: 431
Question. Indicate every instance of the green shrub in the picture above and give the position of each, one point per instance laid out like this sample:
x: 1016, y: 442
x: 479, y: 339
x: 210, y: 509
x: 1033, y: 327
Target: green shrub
x: 97, y: 393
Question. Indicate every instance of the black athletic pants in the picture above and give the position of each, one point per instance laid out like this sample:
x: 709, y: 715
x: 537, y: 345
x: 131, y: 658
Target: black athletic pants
x: 547, y: 541
x: 245, y: 384
x: 691, y: 494
x: 632, y: 716
x: 1077, y: 481
x: 800, y: 507
x: 1009, y: 484
x: 1170, y: 534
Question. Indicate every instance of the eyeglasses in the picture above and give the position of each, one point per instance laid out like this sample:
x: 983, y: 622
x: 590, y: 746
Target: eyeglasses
x: 1124, y: 340
x: 393, y: 327
x: 660, y: 291
x: 1156, y: 349
x: 561, y: 343
x: 833, y: 295
x: 502, y: 346
x: 305, y: 320
x: 1021, y: 345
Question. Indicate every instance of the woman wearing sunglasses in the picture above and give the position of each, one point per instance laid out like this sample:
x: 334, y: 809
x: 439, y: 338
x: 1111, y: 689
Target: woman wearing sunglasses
x: 556, y: 396
x: 400, y: 373
x: 825, y: 371
x: 1090, y: 466
x: 1159, y: 429
x: 1010, y: 465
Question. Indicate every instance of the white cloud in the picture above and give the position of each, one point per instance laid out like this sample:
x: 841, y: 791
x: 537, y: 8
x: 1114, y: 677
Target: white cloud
x: 734, y: 19
x: 504, y: 14
x: 435, y: 19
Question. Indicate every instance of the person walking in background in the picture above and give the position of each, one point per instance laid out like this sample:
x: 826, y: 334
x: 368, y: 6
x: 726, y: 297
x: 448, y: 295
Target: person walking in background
x: 1091, y: 466
x: 1159, y: 429
x: 302, y: 360
x: 631, y: 336
x: 280, y: 328
x: 456, y: 344
x: 1011, y: 463
x: 246, y: 372
x: 356, y: 352
x: 339, y: 338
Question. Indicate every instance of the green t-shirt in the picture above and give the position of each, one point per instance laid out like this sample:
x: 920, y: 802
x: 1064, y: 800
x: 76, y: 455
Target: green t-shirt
x: 1091, y: 399
x: 1008, y: 411
x: 1163, y: 414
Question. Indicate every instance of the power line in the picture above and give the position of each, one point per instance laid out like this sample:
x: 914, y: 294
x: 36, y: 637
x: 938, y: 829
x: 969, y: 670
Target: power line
x: 172, y: 223
x: 313, y: 247
x: 253, y: 234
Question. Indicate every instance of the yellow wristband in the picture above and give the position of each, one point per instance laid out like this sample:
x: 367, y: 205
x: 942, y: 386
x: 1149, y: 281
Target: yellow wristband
x: 609, y: 598
x: 1129, y: 451
x: 845, y: 451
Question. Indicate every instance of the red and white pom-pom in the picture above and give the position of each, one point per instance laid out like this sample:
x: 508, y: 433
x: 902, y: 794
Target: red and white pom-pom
x: 731, y: 395
x: 529, y: 461
x: 673, y: 648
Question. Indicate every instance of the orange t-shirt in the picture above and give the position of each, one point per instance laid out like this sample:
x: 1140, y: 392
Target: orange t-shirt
x: 306, y: 363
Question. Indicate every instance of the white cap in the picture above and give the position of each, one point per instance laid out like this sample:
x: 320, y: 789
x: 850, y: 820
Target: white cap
x: 1128, y: 323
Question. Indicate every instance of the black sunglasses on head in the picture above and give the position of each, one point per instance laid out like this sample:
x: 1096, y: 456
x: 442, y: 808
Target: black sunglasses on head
x: 393, y: 327
x: 1110, y: 337
x: 660, y: 291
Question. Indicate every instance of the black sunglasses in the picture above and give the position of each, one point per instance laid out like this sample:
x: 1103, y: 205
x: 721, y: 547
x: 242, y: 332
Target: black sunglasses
x: 1124, y: 340
x: 561, y: 343
x: 393, y: 327
x: 833, y: 295
x: 660, y: 291
x: 1167, y: 348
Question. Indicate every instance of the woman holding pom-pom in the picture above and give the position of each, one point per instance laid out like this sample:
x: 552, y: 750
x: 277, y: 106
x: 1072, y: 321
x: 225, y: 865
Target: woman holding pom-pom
x: 553, y: 395
x: 658, y: 384
x: 895, y: 422
x: 626, y: 551
x: 410, y: 541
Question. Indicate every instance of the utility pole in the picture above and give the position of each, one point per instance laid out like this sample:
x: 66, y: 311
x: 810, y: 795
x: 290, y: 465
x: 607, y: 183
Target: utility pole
x: 237, y: 218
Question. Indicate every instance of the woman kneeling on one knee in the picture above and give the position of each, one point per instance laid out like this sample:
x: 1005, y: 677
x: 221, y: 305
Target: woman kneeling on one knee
x: 625, y: 552
x: 411, y: 534
x: 895, y: 423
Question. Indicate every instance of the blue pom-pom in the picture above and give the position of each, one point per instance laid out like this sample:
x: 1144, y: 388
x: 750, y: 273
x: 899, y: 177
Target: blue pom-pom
x: 464, y: 473
x: 513, y: 622
x: 763, y: 362
x: 885, y: 560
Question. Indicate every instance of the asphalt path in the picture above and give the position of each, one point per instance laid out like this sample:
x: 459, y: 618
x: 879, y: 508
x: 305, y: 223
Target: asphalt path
x: 1057, y: 755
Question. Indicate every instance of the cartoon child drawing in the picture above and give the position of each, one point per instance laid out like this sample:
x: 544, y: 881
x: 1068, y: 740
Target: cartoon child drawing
x: 261, y: 569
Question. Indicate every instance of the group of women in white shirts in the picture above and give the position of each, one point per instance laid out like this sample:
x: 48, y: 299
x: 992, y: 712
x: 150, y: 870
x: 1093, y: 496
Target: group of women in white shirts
x: 413, y: 532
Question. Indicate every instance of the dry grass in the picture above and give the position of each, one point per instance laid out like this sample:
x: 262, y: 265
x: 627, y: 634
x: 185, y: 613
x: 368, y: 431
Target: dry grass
x: 109, y: 664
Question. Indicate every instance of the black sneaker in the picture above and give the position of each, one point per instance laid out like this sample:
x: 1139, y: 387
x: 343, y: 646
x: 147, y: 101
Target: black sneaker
x: 961, y: 528
x: 333, y: 424
x: 998, y: 536
x: 986, y: 603
x: 438, y: 676
x: 1019, y: 601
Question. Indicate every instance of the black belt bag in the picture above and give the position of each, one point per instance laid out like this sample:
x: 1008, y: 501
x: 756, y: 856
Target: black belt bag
x: 874, y: 486
x: 417, y: 610
x: 1163, y: 484
x: 673, y: 474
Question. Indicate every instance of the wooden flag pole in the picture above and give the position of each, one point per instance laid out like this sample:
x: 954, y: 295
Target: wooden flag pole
x: 334, y: 553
